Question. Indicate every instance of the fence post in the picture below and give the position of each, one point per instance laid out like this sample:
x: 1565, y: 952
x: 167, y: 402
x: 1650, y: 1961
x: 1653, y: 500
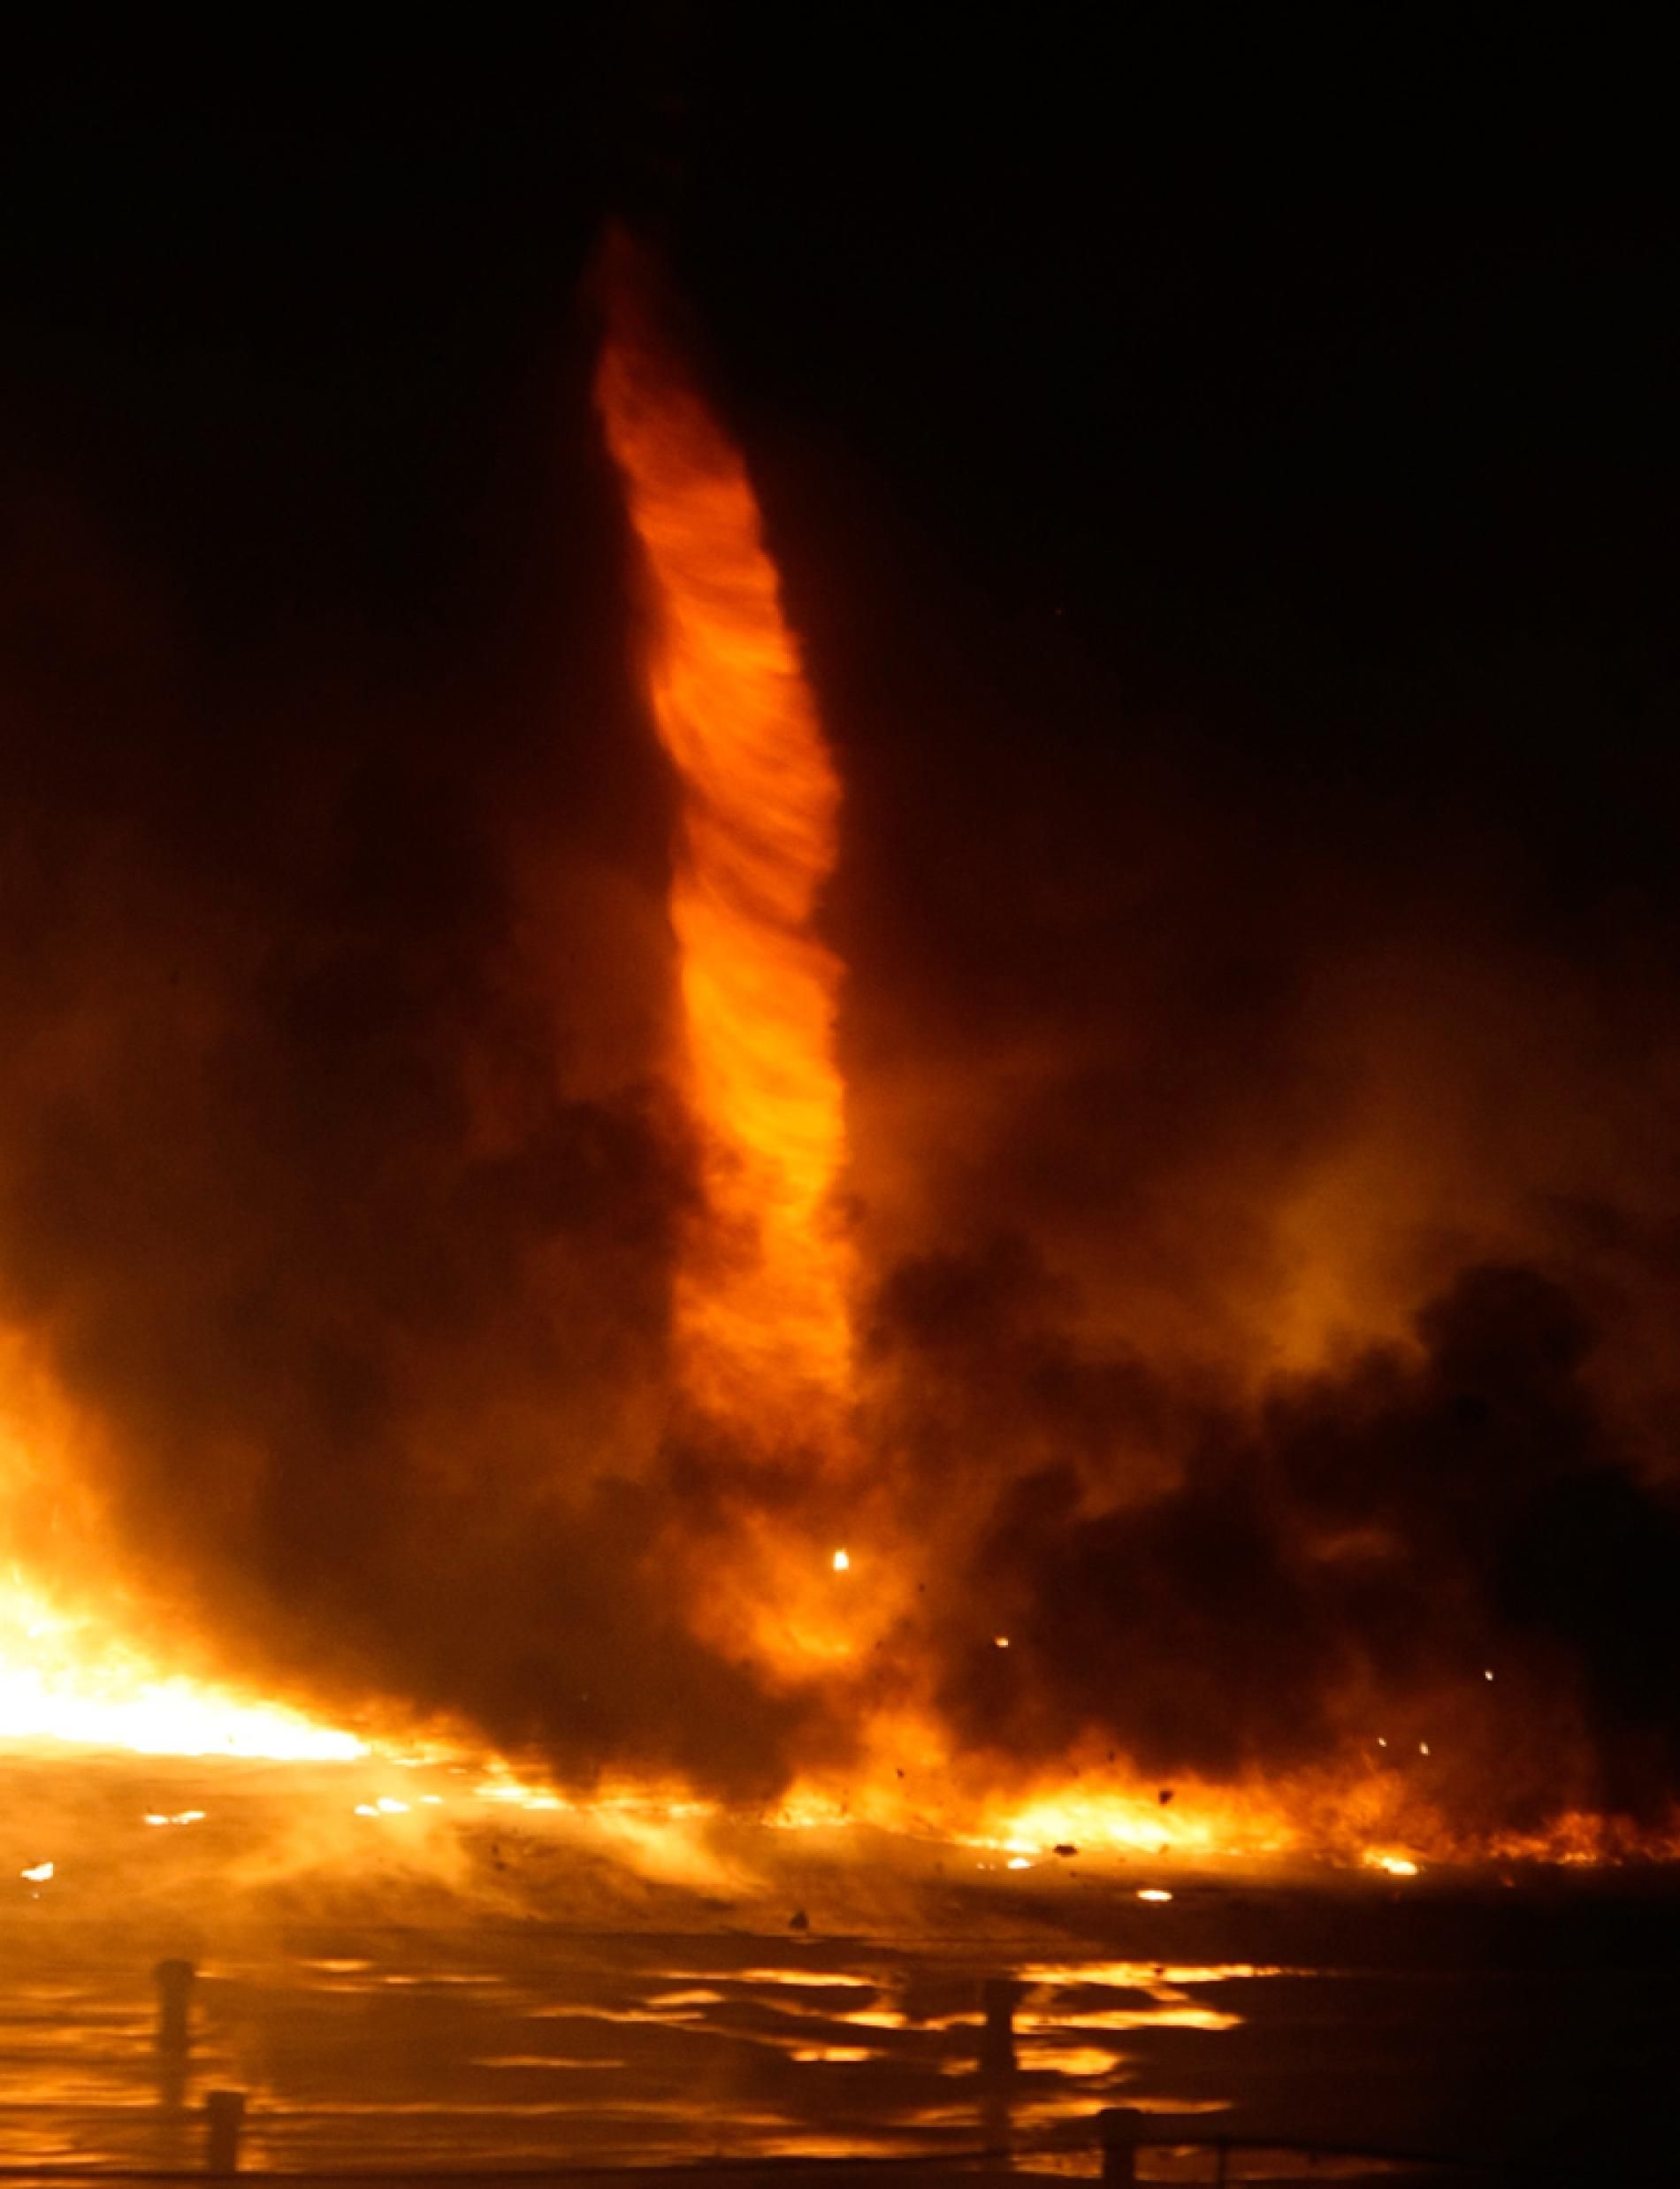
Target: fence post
x: 1121, y: 2130
x: 224, y: 2116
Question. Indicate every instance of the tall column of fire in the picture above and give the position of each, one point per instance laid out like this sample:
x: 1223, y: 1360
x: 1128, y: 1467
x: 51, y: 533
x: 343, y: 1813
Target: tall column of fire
x: 762, y: 1325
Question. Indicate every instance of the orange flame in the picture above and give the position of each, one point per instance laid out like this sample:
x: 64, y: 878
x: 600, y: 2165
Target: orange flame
x: 763, y: 1325
x: 68, y: 1675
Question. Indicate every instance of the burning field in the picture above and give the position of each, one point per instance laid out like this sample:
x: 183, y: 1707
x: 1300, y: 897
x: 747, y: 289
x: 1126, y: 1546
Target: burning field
x: 837, y: 1064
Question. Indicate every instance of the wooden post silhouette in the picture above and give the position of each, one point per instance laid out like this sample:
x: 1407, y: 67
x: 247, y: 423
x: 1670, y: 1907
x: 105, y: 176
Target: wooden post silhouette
x: 224, y: 2116
x: 1121, y: 2129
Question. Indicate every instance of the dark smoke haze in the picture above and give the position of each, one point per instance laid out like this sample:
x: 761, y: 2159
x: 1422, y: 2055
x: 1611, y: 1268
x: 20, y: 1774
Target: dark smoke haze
x: 1231, y: 599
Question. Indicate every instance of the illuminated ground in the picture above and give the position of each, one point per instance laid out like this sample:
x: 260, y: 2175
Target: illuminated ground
x: 459, y: 1982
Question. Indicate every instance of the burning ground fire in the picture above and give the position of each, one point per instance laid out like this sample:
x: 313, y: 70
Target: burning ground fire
x: 61, y: 1680
x: 768, y: 1347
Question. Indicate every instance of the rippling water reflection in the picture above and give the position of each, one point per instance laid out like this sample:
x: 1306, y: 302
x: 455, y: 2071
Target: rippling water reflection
x: 762, y: 2000
x: 528, y: 2046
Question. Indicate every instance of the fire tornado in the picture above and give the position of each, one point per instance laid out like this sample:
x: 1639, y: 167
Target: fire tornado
x: 762, y: 1301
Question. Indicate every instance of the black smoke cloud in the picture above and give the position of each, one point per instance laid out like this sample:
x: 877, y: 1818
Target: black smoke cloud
x: 1270, y: 1181
x: 1260, y: 899
x: 1350, y: 1560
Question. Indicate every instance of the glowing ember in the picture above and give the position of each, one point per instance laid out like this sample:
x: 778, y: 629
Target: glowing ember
x: 1394, y: 1865
x: 842, y: 1561
x: 38, y: 1875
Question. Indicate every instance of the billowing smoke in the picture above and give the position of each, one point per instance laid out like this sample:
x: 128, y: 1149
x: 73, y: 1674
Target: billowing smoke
x: 1277, y: 1268
x: 1259, y: 1061
x: 1447, y: 1539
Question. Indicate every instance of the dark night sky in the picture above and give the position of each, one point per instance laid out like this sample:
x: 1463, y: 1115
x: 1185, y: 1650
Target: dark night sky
x: 1311, y: 381
x: 1224, y: 479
